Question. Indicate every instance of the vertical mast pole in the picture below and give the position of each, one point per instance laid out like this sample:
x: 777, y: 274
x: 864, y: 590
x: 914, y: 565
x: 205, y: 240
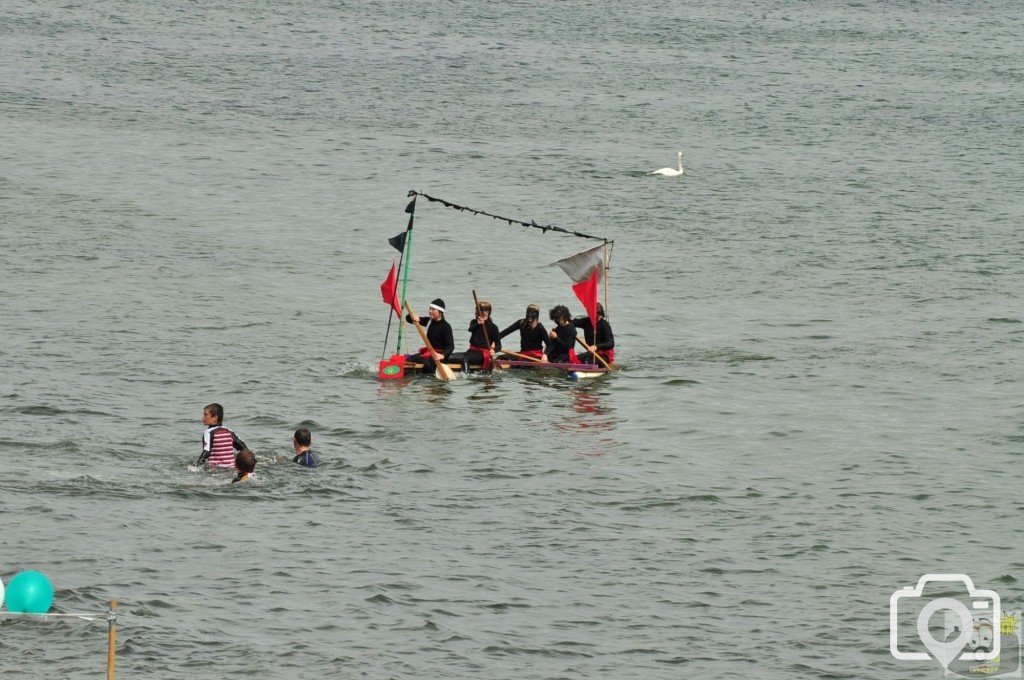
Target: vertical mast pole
x: 411, y: 209
x: 607, y: 257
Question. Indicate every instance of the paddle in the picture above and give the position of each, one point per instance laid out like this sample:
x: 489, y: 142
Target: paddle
x: 523, y: 356
x: 594, y: 352
x: 486, y: 339
x: 442, y: 371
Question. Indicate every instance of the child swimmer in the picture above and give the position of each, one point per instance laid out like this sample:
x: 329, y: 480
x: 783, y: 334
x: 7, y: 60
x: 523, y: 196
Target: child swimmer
x: 245, y: 463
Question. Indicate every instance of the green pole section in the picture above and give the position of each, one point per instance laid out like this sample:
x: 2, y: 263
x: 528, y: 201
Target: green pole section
x: 405, y: 282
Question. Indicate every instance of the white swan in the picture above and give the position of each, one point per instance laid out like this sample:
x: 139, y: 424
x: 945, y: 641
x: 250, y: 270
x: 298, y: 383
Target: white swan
x: 671, y: 172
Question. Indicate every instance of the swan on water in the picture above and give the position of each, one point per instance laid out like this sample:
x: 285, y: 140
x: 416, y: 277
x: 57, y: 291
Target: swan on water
x: 671, y: 172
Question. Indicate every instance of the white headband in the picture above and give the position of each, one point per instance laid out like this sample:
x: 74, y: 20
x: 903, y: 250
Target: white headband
x: 437, y: 307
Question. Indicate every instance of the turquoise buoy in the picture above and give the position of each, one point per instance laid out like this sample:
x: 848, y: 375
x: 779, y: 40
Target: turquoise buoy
x: 29, y: 592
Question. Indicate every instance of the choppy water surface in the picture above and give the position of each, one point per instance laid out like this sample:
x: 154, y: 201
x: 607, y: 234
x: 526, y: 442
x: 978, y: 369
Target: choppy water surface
x: 820, y: 327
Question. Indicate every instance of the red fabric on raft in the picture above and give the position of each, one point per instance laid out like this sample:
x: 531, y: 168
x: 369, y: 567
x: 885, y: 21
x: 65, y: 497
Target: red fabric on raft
x: 396, y: 364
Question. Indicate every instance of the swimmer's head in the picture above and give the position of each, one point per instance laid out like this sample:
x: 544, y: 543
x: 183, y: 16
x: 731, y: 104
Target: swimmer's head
x: 214, y: 413
x: 245, y: 461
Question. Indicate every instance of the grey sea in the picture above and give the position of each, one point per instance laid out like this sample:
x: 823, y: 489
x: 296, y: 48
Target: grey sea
x: 819, y: 327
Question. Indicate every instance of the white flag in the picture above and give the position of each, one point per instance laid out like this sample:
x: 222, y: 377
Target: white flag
x: 581, y: 265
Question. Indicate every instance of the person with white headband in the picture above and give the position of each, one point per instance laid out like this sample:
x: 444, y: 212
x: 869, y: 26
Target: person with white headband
x: 439, y: 333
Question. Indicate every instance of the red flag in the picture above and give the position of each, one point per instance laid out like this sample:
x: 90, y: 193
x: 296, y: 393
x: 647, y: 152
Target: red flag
x: 389, y: 290
x: 586, y: 291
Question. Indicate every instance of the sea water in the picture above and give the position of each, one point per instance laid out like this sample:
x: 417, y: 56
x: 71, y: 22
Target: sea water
x: 819, y: 327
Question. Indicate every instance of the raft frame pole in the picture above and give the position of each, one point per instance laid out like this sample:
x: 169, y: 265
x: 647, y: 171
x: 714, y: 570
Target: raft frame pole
x: 111, y: 617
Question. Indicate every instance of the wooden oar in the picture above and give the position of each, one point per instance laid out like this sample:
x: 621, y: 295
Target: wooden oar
x: 486, y: 339
x: 523, y: 356
x: 594, y: 352
x: 442, y: 371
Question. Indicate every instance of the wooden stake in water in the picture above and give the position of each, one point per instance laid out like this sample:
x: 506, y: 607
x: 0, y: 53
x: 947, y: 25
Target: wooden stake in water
x: 111, y: 638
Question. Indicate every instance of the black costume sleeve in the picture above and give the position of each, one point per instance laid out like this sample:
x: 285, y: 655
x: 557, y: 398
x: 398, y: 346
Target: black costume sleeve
x: 605, y: 335
x: 514, y: 327
x: 238, y: 443
x: 565, y: 340
x: 493, y: 334
x: 449, y: 342
x: 588, y: 328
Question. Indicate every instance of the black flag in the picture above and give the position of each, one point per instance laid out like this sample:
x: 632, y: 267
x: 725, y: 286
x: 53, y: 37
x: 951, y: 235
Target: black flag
x: 398, y: 242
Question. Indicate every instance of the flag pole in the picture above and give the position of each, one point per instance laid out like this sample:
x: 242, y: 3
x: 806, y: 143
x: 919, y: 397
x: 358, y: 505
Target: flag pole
x: 387, y: 333
x: 411, y: 209
x: 406, y: 246
x: 607, y: 256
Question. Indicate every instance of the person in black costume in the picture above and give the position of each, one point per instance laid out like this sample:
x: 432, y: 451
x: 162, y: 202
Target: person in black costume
x: 561, y: 339
x: 532, y: 335
x: 605, y: 345
x: 482, y: 344
x: 439, y: 333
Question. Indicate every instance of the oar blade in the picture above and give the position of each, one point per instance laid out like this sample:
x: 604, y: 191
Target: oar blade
x: 444, y: 371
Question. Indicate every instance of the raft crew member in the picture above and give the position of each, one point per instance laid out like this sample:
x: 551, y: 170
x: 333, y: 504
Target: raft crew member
x: 301, y: 442
x: 439, y: 333
x: 245, y: 463
x: 532, y: 334
x: 562, y: 339
x: 219, y: 443
x: 605, y: 340
x: 479, y: 352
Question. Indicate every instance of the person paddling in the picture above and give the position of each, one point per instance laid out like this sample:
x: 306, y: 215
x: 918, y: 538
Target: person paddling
x: 605, y: 345
x: 562, y: 339
x: 532, y: 334
x: 439, y: 333
x: 481, y: 330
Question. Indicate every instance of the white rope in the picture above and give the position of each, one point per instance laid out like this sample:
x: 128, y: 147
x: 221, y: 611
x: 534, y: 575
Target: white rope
x: 47, y: 617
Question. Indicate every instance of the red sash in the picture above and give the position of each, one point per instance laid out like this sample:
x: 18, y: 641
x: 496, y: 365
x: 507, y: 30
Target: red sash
x: 535, y: 353
x: 424, y: 352
x: 573, y: 359
x: 487, y: 356
x: 608, y: 354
